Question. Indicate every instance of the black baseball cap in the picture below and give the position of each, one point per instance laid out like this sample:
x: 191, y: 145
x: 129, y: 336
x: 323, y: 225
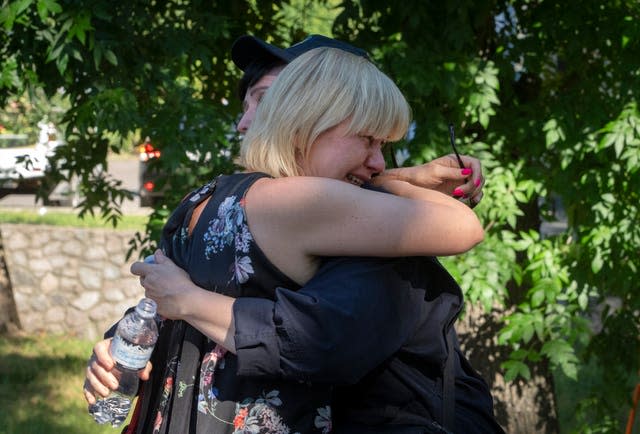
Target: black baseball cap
x: 247, y: 49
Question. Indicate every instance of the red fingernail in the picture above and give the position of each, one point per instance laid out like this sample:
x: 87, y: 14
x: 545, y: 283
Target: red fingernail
x: 478, y: 182
x: 467, y: 171
x: 458, y: 192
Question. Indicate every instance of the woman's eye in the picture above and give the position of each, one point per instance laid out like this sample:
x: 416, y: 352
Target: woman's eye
x: 369, y: 139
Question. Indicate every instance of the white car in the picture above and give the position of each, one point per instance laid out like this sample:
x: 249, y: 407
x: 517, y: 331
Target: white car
x: 23, y: 165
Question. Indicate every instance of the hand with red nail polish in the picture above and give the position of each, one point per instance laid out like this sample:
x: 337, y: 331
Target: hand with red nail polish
x: 442, y: 174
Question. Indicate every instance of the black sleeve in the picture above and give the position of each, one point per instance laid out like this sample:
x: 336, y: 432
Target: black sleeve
x: 350, y: 317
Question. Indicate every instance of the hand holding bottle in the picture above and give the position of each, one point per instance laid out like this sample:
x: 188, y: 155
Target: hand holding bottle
x: 130, y: 350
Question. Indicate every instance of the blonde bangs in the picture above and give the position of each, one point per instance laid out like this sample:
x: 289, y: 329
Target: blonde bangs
x: 381, y: 111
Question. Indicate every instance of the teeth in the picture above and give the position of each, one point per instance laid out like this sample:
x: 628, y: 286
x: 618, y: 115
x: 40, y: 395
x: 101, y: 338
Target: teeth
x: 355, y: 181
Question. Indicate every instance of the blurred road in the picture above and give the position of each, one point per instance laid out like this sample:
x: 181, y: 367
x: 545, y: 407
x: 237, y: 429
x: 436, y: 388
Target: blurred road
x: 124, y: 168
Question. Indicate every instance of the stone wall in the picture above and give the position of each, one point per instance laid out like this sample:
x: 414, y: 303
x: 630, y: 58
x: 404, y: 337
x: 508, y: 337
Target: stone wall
x: 73, y: 281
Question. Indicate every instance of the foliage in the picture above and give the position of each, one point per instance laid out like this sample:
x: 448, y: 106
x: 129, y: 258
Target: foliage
x: 40, y: 381
x: 23, y: 113
x: 545, y: 92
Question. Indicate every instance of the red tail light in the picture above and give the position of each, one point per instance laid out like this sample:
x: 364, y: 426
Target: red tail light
x: 147, y: 152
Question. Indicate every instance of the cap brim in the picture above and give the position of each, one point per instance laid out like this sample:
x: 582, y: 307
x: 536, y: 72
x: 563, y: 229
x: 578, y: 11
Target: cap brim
x: 247, y: 49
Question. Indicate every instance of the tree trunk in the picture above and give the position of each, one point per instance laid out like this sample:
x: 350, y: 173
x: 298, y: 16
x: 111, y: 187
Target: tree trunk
x: 521, y: 406
x: 9, y: 322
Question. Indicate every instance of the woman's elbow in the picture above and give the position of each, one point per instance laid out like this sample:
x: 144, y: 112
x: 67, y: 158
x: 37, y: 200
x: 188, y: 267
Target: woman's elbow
x: 475, y: 232
x: 478, y: 236
x: 470, y: 236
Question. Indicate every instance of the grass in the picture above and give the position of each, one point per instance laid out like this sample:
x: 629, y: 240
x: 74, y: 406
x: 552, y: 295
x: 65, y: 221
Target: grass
x: 57, y: 218
x: 41, y: 380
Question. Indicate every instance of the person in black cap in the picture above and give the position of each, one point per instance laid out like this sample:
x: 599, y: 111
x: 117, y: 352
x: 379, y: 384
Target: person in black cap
x: 368, y: 404
x: 400, y: 320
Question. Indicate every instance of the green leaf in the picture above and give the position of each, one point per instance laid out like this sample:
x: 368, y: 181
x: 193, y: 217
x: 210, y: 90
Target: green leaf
x: 583, y: 300
x: 597, y: 263
x: 608, y: 197
x: 20, y: 6
x: 46, y: 7
x: 483, y: 118
x: 97, y: 57
x: 61, y: 63
x: 537, y: 298
x: 514, y: 369
x: 80, y: 26
x: 111, y: 57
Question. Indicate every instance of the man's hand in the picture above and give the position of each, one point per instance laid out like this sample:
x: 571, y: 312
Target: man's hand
x: 165, y: 283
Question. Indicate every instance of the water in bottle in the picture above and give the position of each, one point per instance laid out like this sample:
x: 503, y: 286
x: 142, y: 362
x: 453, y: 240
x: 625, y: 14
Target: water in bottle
x: 131, y: 348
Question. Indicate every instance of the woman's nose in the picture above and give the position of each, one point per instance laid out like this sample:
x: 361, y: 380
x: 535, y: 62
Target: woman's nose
x: 376, y: 160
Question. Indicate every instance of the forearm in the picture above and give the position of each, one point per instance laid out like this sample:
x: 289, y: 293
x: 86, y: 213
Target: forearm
x: 406, y: 174
x: 349, y: 318
x: 211, y: 314
x: 410, y: 191
x: 179, y: 298
x: 467, y: 227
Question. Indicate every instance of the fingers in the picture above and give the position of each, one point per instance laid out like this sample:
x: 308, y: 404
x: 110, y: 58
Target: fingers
x: 475, y: 200
x: 475, y: 178
x: 99, y: 380
x: 140, y: 268
x: 93, y: 388
x: 160, y: 257
x: 472, y: 189
x: 89, y: 394
x: 101, y: 354
x: 145, y: 373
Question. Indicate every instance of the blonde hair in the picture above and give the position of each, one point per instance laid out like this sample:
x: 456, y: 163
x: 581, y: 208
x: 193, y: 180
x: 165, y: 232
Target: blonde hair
x: 315, y: 92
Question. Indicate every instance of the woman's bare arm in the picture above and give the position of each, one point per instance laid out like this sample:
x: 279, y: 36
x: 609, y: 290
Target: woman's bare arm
x: 300, y: 218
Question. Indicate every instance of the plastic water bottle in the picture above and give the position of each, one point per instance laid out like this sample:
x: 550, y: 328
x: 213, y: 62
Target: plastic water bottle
x: 131, y: 348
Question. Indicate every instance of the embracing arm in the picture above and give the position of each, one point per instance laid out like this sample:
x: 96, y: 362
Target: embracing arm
x: 353, y: 315
x: 327, y: 217
x: 178, y: 298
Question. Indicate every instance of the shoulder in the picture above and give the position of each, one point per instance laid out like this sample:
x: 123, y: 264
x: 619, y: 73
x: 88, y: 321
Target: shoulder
x: 303, y: 189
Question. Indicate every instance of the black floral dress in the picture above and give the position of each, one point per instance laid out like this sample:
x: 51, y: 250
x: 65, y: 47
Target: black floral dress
x: 194, y: 386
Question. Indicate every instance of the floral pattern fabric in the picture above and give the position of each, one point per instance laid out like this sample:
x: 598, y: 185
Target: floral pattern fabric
x: 230, y: 229
x: 199, y: 391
